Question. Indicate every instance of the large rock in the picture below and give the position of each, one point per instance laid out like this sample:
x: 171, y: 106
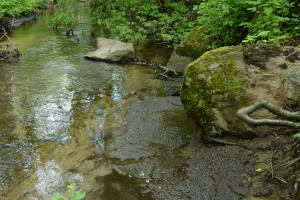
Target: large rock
x: 178, y: 63
x: 227, y: 79
x: 112, y: 51
x: 194, y: 44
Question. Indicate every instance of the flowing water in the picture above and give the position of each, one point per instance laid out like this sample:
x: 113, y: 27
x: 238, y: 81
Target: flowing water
x: 58, y: 109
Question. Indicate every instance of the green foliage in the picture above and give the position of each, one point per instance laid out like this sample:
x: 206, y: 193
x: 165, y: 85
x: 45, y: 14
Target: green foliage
x: 74, y: 194
x: 17, y: 7
x: 270, y: 20
x: 221, y: 20
x: 296, y: 135
x: 229, y: 22
x: 65, y: 13
x: 225, y: 22
x: 138, y: 20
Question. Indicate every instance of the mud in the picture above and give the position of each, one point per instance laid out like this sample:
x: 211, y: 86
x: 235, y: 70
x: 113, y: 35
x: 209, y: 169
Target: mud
x: 157, y: 147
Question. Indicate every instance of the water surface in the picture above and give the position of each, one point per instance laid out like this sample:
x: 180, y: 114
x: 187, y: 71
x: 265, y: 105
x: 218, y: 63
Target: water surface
x: 58, y: 109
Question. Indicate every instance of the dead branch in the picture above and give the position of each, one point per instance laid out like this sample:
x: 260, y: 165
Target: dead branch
x: 168, y: 70
x: 5, y: 35
x: 292, y: 162
x: 167, y: 73
x: 8, y: 50
x: 244, y: 113
x: 159, y: 74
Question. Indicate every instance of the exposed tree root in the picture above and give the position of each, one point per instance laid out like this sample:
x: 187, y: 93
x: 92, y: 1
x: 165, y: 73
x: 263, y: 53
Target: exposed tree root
x: 291, y: 119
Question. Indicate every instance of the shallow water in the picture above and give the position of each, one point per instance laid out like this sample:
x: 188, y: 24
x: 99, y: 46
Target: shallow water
x: 58, y: 109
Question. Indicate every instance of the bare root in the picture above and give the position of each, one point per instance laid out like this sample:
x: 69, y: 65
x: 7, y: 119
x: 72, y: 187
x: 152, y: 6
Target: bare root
x: 291, y: 119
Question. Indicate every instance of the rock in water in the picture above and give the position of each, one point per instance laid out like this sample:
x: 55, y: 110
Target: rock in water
x: 112, y: 51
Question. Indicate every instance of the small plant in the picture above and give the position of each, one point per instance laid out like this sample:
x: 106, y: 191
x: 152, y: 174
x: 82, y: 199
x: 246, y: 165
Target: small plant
x: 74, y: 193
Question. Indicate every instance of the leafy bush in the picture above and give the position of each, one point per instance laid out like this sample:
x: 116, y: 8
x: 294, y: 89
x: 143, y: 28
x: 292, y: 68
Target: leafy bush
x: 225, y: 22
x: 65, y: 13
x: 138, y: 20
x: 17, y: 7
x: 229, y: 22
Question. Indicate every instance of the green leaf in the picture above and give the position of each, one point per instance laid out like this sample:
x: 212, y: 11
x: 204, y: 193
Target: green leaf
x: 71, y: 187
x: 268, y: 11
x: 57, y: 197
x: 297, y: 135
x: 253, y: 9
x: 263, y: 34
x: 79, y: 195
x: 259, y: 170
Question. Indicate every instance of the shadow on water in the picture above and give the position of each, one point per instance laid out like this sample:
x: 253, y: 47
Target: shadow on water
x: 58, y: 110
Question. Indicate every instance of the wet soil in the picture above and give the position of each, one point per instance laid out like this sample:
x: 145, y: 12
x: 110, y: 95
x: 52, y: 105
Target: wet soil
x: 152, y: 147
x: 159, y: 150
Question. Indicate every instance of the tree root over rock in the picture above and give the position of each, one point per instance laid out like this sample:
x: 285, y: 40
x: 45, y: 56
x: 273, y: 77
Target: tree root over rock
x: 291, y: 119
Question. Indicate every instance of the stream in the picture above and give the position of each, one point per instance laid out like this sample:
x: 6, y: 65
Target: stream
x: 59, y: 110
x: 111, y: 130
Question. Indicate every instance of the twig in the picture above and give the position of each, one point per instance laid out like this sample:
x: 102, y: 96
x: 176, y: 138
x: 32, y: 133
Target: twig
x: 276, y: 177
x: 292, y: 162
x: 166, y: 76
x: 291, y: 54
x: 167, y: 70
x: 5, y: 35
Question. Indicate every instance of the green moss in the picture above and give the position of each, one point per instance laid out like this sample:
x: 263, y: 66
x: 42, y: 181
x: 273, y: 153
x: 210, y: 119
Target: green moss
x: 211, y: 78
x: 194, y: 45
x: 184, y: 152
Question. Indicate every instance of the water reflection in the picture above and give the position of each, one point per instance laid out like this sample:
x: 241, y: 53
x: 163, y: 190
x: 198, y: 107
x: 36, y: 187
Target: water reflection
x: 49, y: 177
x: 59, y: 110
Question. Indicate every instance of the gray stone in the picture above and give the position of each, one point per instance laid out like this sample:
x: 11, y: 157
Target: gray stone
x: 178, y: 62
x: 112, y: 51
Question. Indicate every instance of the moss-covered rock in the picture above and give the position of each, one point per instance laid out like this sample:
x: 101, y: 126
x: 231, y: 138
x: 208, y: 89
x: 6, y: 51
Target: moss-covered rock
x: 211, y: 82
x: 194, y: 45
x: 224, y: 80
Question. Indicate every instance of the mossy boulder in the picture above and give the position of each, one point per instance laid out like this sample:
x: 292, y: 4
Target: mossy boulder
x: 194, y: 44
x: 211, y: 82
x: 222, y: 81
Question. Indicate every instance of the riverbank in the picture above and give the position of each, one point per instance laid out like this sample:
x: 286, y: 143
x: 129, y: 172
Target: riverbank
x: 114, y: 131
x: 167, y: 163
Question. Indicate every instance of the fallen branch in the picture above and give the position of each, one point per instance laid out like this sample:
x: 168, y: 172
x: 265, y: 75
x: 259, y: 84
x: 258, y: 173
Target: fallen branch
x: 168, y: 73
x: 292, y: 162
x: 159, y: 74
x: 8, y: 50
x: 168, y: 70
x: 5, y: 35
x: 244, y: 113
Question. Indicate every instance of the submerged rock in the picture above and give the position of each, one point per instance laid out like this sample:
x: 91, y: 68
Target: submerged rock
x: 112, y: 51
x: 224, y: 80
